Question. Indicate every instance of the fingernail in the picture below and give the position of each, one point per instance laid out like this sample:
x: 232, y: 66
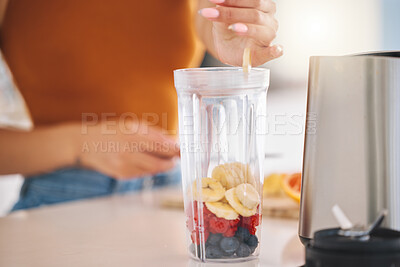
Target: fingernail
x: 238, y: 27
x: 210, y: 13
x: 217, y: 1
x: 278, y: 51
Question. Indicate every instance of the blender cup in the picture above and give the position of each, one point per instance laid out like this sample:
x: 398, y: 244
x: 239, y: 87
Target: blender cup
x: 222, y: 126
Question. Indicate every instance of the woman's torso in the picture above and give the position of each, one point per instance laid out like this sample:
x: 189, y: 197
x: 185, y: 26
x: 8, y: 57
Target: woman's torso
x: 71, y: 57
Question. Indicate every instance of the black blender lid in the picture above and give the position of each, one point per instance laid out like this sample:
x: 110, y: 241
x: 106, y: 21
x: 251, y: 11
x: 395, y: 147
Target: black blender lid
x: 380, y: 240
x: 331, y: 249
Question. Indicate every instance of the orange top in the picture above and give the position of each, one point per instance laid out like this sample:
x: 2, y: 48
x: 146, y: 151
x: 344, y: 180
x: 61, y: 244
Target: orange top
x: 70, y: 57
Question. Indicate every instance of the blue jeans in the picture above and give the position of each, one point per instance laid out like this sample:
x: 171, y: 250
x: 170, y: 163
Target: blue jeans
x: 73, y: 184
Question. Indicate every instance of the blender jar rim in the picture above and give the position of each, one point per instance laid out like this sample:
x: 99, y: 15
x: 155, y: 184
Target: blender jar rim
x: 220, y: 78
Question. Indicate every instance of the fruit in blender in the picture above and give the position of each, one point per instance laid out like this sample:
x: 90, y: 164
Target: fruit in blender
x: 225, y: 212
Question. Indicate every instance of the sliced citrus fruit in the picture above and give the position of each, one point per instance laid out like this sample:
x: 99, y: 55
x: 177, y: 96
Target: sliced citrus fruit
x: 272, y: 184
x: 291, y: 185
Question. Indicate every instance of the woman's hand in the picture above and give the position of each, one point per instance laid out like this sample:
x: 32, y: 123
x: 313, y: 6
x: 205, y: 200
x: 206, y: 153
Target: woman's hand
x: 119, y: 150
x: 237, y: 24
x: 128, y: 150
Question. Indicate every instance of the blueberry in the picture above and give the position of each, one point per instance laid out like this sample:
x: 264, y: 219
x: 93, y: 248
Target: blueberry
x: 243, y: 250
x: 242, y: 234
x: 229, y: 245
x: 214, y: 252
x: 252, y: 241
x: 213, y: 239
x: 228, y: 254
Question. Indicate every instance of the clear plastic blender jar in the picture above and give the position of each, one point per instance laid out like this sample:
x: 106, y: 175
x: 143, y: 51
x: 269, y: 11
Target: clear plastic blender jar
x: 222, y: 127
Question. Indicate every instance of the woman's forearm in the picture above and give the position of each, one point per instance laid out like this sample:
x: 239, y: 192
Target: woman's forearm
x: 41, y: 150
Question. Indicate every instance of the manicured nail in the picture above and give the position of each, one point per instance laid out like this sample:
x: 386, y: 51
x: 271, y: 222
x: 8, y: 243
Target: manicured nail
x: 238, y: 27
x: 277, y: 51
x: 210, y: 13
x: 217, y: 1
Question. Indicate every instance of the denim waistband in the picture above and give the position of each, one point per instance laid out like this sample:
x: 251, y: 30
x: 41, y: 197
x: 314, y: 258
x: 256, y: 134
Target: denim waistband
x: 73, y: 184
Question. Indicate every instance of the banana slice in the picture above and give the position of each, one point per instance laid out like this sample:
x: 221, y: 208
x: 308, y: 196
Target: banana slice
x: 211, y: 190
x: 236, y: 172
x: 247, y: 195
x: 223, y: 200
x: 222, y: 210
x: 228, y: 177
x: 220, y: 174
x: 233, y: 174
x: 234, y: 201
x: 244, y: 173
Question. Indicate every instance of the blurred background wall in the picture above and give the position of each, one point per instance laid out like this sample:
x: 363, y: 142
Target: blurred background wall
x: 323, y: 27
x: 307, y: 27
x: 310, y: 28
x: 390, y: 24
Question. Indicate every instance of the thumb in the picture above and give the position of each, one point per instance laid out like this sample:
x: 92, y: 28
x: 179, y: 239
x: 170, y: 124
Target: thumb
x: 267, y: 54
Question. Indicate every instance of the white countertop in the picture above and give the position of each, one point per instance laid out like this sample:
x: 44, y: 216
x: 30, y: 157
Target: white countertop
x: 129, y: 230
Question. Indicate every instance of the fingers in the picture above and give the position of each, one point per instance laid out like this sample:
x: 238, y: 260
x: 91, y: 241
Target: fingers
x: 266, y: 6
x: 151, y: 164
x: 127, y: 165
x: 161, y: 147
x: 265, y: 54
x: 247, y: 22
x: 141, y: 164
x: 232, y: 15
x: 153, y: 141
x: 262, y: 34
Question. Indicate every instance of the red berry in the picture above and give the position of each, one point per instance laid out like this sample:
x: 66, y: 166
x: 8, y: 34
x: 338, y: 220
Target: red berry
x: 230, y: 232
x: 193, y: 220
x: 206, y: 211
x: 191, y: 210
x: 190, y: 224
x: 212, y: 223
x: 252, y: 220
x: 256, y: 219
x: 250, y: 223
x: 192, y: 217
x: 218, y: 225
x: 252, y: 230
x: 195, y: 236
x: 234, y: 223
x: 207, y: 214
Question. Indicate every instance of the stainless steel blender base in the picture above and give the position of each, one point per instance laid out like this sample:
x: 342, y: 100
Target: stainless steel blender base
x: 352, y: 141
